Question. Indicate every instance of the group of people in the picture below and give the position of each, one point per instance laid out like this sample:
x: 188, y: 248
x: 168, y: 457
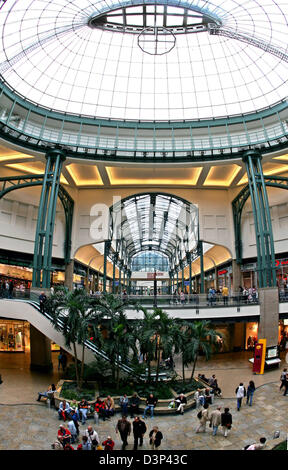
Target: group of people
x: 215, y: 418
x: 241, y: 392
x: 68, y: 435
x: 248, y: 295
x: 6, y: 289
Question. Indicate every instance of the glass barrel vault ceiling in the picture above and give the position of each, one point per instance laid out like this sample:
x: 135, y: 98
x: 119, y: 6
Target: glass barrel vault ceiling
x: 52, y: 56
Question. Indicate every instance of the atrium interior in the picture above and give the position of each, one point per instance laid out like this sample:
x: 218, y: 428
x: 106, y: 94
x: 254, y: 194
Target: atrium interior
x: 144, y: 154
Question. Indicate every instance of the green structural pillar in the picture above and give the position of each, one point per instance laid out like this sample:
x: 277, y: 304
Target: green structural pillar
x: 129, y: 282
x: 124, y: 278
x: 182, y: 279
x: 177, y: 280
x: 120, y: 281
x: 114, y: 271
x: 262, y: 219
x: 107, y: 245
x: 202, y: 286
x: 189, y: 259
x: 42, y: 260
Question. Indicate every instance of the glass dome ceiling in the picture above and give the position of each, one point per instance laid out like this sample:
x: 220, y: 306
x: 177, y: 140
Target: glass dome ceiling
x: 84, y: 57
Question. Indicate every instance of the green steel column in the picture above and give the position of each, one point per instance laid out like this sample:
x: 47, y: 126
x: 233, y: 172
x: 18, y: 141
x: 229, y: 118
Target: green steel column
x: 46, y: 219
x: 177, y: 280
x: 120, y: 285
x: 129, y: 282
x: 190, y: 274
x: 182, y: 279
x: 262, y: 219
x: 114, y: 270
x: 124, y: 278
x: 107, y: 244
x: 202, y: 287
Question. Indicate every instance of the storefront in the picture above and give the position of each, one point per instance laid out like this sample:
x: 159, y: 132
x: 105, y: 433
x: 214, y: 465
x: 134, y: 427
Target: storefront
x: 15, y: 336
x: 251, y: 335
x: 224, y: 276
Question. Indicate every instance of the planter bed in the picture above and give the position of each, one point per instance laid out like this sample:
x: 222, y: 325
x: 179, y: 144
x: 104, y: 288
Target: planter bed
x: 160, y: 409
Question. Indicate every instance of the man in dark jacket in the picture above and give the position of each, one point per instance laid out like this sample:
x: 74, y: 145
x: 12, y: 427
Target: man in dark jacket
x: 42, y: 300
x: 134, y: 405
x: 139, y: 429
x: 124, y: 428
x: 151, y: 402
x: 226, y: 421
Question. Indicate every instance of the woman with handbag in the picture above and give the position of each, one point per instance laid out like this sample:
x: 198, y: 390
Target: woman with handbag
x: 226, y: 421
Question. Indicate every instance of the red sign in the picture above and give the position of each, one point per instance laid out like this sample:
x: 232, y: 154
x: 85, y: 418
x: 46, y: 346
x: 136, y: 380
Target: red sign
x: 224, y: 271
x: 258, y: 353
x: 282, y: 263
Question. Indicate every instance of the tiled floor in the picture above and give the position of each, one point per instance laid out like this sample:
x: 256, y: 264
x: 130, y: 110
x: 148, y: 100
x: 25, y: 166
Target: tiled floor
x: 37, y: 425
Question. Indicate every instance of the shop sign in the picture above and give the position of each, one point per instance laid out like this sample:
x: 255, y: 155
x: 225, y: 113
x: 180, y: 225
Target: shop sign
x: 283, y: 262
x: 223, y: 271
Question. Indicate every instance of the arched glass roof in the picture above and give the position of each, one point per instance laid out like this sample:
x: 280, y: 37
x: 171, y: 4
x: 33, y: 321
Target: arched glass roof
x: 155, y: 222
x: 83, y: 57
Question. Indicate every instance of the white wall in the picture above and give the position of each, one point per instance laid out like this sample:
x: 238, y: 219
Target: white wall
x: 278, y: 202
x: 18, y: 218
x: 215, y: 213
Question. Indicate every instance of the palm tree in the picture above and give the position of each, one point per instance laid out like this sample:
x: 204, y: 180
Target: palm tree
x: 120, y: 338
x: 145, y: 335
x: 71, y: 313
x: 201, y: 336
x: 181, y: 339
x: 164, y: 335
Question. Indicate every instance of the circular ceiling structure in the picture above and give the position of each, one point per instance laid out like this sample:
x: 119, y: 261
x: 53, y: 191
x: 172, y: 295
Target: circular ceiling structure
x: 83, y: 57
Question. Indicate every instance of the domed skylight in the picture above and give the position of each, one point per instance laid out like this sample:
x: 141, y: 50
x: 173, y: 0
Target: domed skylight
x: 89, y: 57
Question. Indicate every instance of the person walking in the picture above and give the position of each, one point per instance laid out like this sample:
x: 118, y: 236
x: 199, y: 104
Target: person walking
x: 42, y: 300
x: 139, y: 429
x: 124, y: 428
x: 156, y: 437
x: 250, y: 392
x: 92, y: 436
x: 226, y: 421
x: 64, y: 360
x: 59, y: 359
x: 225, y: 294
x: 72, y: 428
x: 240, y: 393
x: 283, y: 378
x: 203, y: 416
x: 215, y: 420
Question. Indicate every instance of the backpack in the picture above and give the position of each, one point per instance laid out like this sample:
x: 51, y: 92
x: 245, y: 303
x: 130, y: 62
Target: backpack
x: 199, y: 415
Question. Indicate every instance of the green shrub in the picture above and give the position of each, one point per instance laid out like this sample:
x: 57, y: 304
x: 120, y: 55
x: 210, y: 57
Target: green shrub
x: 69, y: 392
x: 281, y: 446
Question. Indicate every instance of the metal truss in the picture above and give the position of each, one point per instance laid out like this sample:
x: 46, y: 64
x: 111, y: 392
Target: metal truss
x: 215, y: 30
x: 238, y: 205
x: 11, y: 183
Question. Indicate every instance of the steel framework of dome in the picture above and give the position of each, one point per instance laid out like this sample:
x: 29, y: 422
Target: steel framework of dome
x: 70, y: 68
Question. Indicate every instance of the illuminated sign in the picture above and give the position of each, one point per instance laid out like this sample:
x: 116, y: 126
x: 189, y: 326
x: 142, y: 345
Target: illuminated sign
x: 283, y: 262
x: 223, y: 271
